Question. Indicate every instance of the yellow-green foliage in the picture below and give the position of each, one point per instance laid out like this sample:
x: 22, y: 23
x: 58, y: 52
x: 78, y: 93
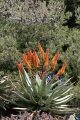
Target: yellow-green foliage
x: 16, y: 38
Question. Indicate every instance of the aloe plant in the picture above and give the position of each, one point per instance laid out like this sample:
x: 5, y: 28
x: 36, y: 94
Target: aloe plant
x: 34, y: 91
x: 37, y: 93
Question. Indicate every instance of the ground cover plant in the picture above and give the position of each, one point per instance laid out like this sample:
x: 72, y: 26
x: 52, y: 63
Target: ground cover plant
x: 4, y: 93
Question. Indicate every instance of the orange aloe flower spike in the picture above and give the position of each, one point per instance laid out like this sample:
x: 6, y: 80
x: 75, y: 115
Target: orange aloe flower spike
x: 54, y: 60
x: 61, y: 70
x: 41, y: 50
x: 35, y: 59
x: 26, y: 60
x: 46, y: 57
x: 19, y: 66
x: 29, y: 53
x: 55, y: 57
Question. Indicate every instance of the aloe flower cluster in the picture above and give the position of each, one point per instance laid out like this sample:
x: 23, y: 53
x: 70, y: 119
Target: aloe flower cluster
x: 41, y: 63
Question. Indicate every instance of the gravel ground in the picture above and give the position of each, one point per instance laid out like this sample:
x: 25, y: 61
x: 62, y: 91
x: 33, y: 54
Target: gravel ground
x: 34, y: 116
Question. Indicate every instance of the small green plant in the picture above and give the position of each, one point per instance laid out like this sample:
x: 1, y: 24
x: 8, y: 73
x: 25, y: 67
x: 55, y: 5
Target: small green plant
x: 37, y: 89
x: 4, y: 92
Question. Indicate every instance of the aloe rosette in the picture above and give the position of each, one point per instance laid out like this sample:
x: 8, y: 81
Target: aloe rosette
x: 34, y: 91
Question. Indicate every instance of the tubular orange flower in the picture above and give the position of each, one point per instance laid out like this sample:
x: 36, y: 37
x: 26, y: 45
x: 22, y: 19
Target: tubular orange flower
x: 19, y: 66
x: 54, y: 60
x: 53, y: 66
x: 41, y: 50
x: 61, y: 70
x: 55, y: 57
x: 29, y: 53
x: 35, y: 59
x: 46, y: 57
x: 26, y: 60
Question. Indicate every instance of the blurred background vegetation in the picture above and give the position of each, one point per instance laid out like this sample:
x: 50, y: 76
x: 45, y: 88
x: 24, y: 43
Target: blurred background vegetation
x: 56, y: 24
